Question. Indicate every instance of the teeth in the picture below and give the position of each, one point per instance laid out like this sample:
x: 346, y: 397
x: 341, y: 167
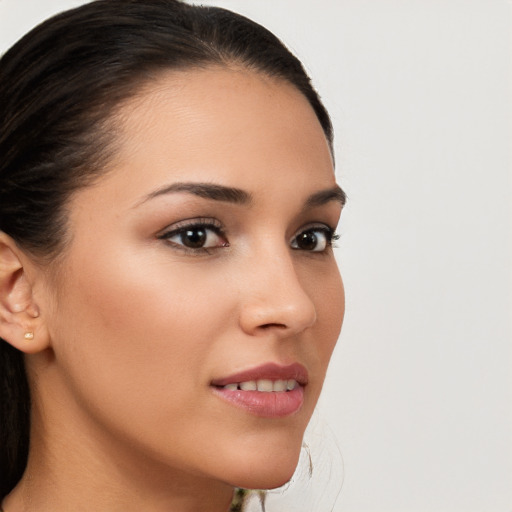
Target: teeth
x: 291, y: 384
x: 280, y: 385
x: 264, y: 385
x: 248, y: 386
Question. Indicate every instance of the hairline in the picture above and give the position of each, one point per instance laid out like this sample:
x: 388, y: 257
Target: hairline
x: 109, y: 131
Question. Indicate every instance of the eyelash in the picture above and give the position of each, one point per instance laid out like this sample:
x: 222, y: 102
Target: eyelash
x: 206, y: 225
x: 180, y: 229
x: 327, y: 232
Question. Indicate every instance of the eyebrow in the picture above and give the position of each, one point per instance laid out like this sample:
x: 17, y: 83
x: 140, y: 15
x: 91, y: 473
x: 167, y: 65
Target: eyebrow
x: 238, y: 196
x: 326, y: 196
x: 206, y: 191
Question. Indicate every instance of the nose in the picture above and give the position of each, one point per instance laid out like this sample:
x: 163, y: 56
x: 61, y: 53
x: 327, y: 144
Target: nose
x: 274, y: 299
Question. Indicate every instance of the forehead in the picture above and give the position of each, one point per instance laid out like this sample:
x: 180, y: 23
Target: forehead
x: 234, y: 116
x: 230, y: 127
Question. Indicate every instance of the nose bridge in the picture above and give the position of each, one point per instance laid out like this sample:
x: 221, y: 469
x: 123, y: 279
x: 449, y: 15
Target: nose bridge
x: 274, y: 296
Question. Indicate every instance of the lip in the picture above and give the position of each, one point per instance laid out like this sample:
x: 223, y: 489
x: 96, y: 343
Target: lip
x: 275, y: 404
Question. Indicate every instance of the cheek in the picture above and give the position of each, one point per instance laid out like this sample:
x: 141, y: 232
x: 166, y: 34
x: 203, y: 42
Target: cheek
x: 328, y: 294
x: 141, y: 298
x: 135, y: 335
x: 334, y: 299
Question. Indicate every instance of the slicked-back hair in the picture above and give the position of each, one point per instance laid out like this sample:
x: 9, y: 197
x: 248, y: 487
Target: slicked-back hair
x: 60, y: 86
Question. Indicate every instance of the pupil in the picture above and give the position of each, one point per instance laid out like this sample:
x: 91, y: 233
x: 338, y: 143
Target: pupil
x: 307, y: 241
x: 194, y: 238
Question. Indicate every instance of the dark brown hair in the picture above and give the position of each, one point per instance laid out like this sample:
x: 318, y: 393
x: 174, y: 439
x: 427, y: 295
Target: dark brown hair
x: 59, y: 87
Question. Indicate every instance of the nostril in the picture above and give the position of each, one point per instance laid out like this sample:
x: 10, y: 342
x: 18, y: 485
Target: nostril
x: 269, y: 326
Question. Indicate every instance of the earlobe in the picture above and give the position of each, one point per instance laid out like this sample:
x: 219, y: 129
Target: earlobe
x: 21, y: 324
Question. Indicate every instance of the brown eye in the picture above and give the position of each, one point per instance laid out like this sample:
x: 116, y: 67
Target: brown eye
x: 307, y: 241
x: 196, y: 237
x: 316, y: 239
x: 193, y: 238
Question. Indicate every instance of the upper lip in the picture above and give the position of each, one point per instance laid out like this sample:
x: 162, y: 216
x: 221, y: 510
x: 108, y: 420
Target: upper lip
x: 271, y: 371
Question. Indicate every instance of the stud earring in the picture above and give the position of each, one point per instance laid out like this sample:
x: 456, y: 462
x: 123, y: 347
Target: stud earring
x: 29, y: 336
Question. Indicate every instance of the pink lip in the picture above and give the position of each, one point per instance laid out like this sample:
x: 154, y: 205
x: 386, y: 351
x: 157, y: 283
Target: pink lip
x: 265, y: 404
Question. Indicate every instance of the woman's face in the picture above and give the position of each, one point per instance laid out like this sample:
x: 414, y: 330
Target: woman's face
x: 201, y: 263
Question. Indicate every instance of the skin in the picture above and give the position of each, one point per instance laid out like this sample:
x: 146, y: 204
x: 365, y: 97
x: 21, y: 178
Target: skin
x: 131, y: 328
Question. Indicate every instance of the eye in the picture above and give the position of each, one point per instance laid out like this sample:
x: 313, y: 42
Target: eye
x: 314, y: 239
x: 196, y: 236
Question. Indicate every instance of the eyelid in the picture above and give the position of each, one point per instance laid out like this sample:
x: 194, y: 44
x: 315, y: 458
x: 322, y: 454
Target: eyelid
x: 182, y: 226
x: 321, y: 226
x: 329, y: 233
x: 206, y: 222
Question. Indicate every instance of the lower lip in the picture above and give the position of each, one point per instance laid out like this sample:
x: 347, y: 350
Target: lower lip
x: 266, y: 405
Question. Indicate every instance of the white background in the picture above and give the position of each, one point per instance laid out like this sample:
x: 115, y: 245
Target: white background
x: 420, y: 388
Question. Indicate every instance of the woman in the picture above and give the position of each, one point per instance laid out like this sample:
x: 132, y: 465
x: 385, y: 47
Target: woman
x: 169, y: 295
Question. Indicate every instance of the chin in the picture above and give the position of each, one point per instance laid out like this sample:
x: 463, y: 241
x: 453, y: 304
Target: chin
x: 265, y: 480
x: 267, y: 469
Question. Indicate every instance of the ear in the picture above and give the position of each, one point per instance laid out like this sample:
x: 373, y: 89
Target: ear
x: 21, y: 322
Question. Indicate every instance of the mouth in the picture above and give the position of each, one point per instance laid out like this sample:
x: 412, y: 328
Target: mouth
x: 268, y: 391
x: 263, y: 385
